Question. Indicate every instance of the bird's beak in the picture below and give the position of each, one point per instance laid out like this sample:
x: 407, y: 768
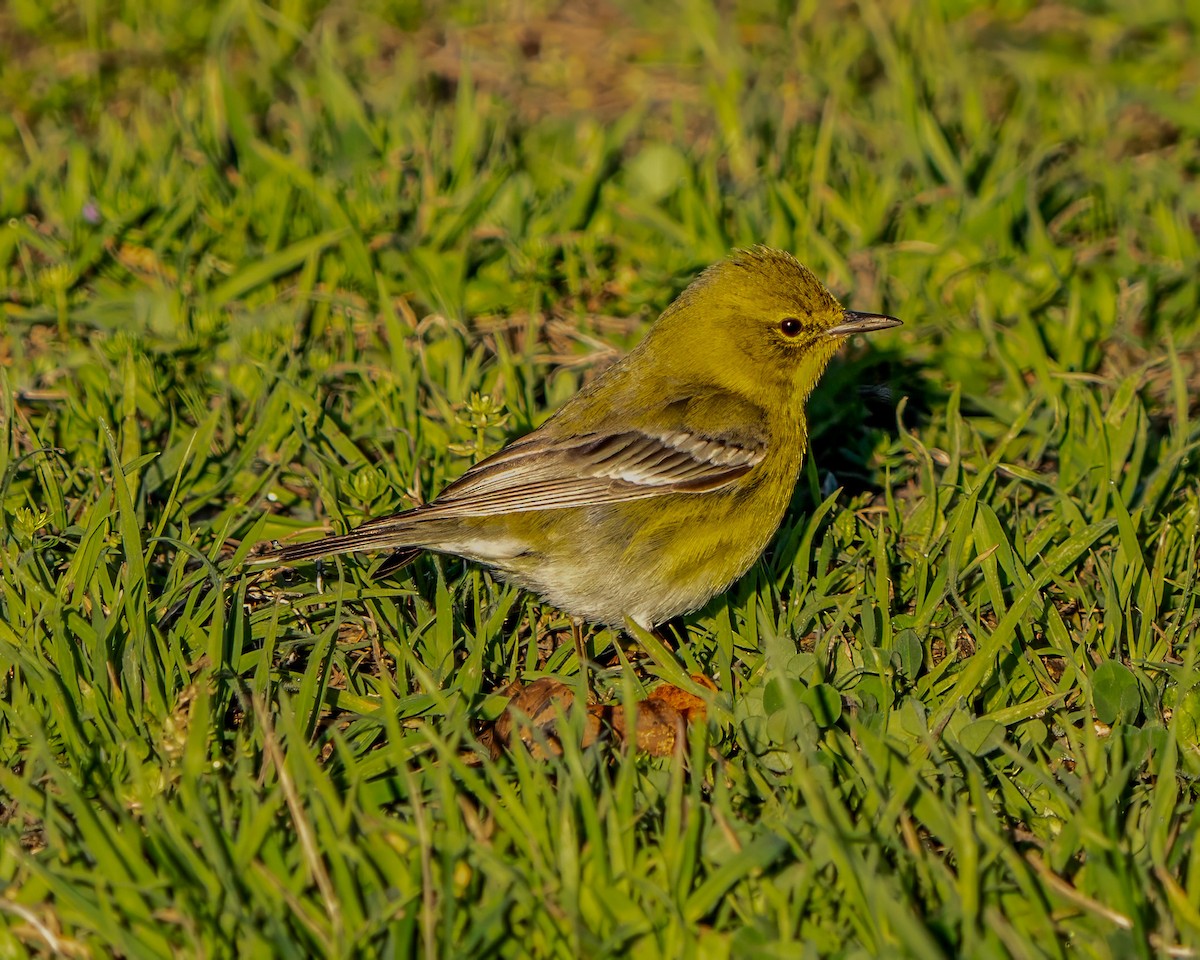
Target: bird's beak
x: 854, y: 322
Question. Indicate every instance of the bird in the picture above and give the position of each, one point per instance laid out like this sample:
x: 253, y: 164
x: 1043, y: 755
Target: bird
x: 656, y: 486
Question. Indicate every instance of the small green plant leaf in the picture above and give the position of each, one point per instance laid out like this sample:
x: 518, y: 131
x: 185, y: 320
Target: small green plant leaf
x: 825, y: 703
x: 1115, y: 693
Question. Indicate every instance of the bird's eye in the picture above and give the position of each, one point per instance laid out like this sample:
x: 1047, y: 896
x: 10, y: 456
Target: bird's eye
x: 790, y: 327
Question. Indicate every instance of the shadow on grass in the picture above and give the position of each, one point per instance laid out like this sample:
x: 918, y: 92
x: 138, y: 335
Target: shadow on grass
x: 853, y: 407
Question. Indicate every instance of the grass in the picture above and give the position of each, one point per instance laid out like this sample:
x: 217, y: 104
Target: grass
x: 256, y: 263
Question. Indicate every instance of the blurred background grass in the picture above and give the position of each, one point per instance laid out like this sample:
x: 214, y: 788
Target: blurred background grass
x: 256, y: 261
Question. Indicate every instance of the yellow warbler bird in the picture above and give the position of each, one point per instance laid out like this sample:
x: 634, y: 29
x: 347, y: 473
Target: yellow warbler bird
x: 659, y: 484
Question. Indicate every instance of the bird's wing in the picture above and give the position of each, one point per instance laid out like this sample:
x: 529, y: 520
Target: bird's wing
x: 698, y: 443
x: 548, y: 471
x: 593, y: 469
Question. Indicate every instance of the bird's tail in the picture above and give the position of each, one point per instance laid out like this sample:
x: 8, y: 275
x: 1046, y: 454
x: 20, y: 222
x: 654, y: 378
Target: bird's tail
x: 396, y: 534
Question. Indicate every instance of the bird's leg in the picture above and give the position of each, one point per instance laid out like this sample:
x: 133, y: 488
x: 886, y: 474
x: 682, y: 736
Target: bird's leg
x: 535, y: 645
x: 581, y: 655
